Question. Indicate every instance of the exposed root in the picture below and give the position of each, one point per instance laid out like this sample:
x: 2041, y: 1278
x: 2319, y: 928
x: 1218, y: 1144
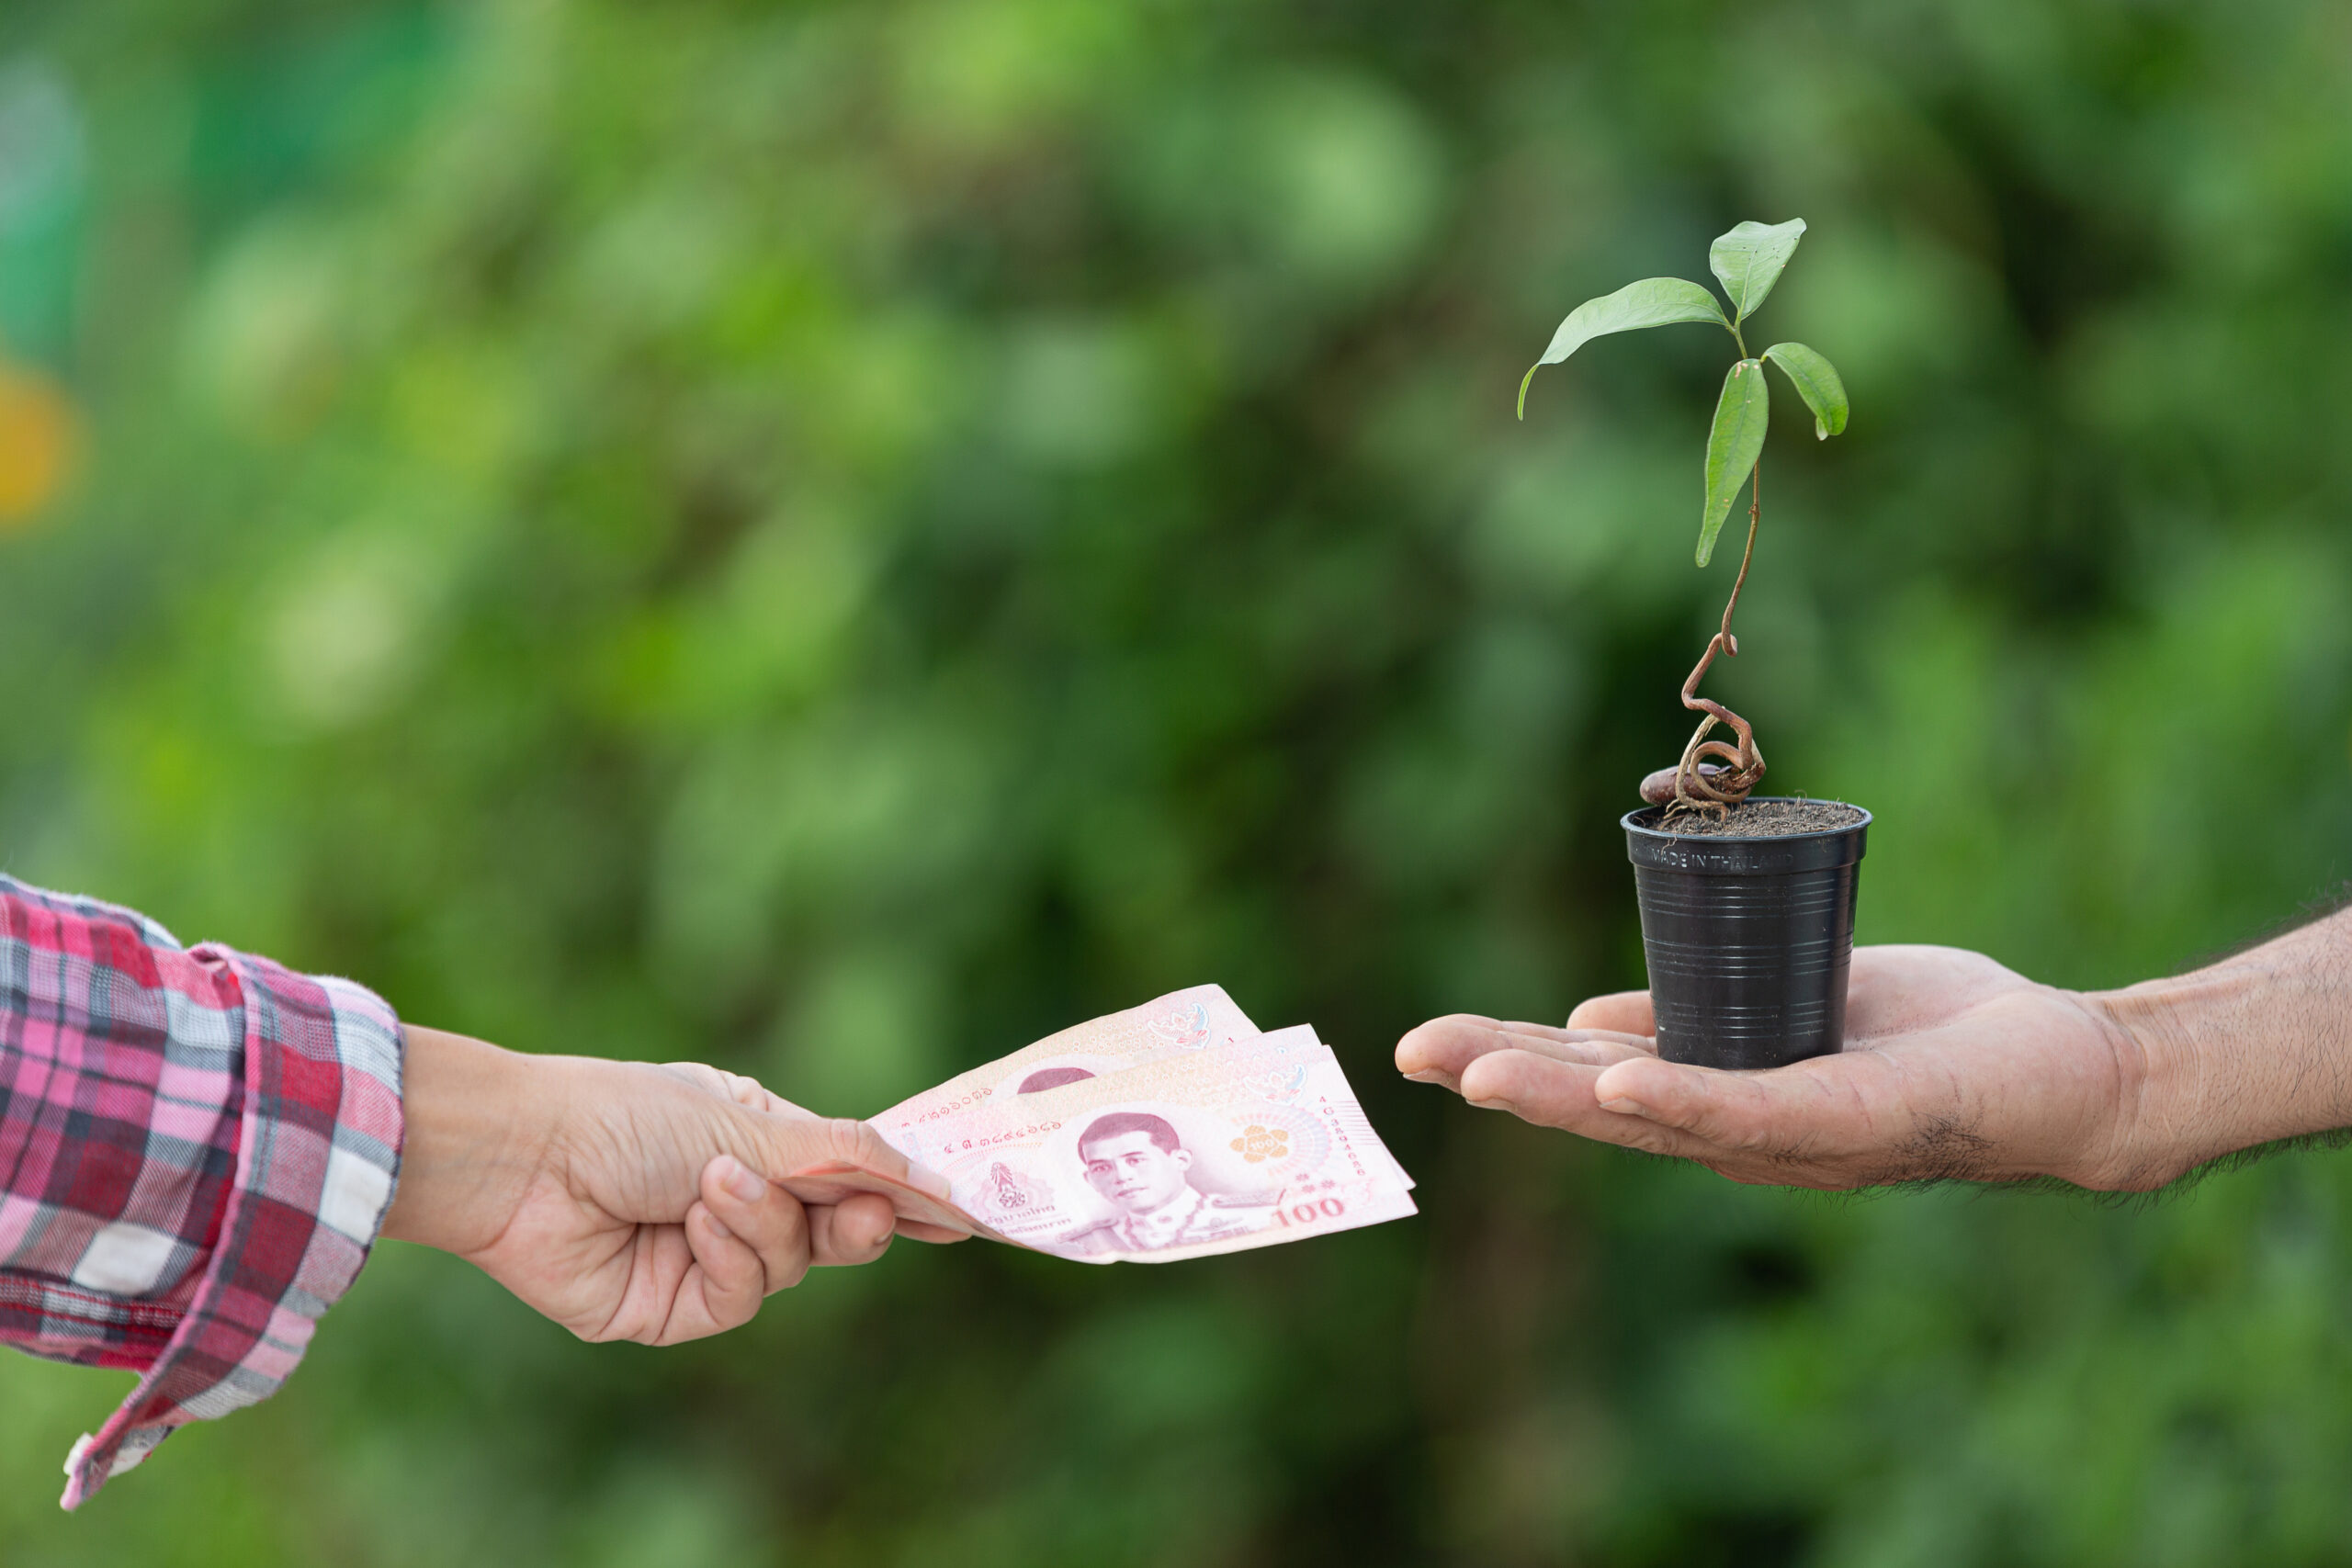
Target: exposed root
x: 1696, y: 783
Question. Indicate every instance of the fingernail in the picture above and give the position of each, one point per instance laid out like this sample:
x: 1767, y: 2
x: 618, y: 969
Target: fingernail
x: 743, y: 1182
x: 715, y: 1224
x: 1495, y: 1103
x: 1624, y: 1107
x: 1427, y: 1074
x: 930, y: 1180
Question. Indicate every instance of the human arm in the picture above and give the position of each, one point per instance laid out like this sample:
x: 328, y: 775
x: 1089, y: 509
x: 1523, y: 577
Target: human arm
x: 1954, y: 1069
x: 623, y: 1199
x: 197, y: 1148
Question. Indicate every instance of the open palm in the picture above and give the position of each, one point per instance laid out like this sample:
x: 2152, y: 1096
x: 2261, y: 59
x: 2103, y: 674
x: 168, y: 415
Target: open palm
x: 1954, y: 1068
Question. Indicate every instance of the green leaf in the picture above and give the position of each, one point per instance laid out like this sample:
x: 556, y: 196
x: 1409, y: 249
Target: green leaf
x: 1818, y: 384
x: 1748, y: 260
x: 1651, y: 302
x: 1732, y: 446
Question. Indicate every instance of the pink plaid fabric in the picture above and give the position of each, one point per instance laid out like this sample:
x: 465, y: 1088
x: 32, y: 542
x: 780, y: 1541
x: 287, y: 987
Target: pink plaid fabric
x: 196, y: 1149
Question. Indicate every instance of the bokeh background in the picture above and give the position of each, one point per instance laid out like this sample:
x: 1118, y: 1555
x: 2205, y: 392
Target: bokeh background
x: 838, y: 539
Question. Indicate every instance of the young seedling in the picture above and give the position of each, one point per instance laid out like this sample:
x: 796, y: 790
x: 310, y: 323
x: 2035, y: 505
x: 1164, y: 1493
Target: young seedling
x: 1747, y: 261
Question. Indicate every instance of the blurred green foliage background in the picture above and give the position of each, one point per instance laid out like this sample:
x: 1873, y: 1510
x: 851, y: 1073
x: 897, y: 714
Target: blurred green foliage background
x: 838, y: 539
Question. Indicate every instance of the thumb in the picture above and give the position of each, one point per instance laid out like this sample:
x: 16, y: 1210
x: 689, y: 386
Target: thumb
x: 1619, y: 1012
x: 825, y: 1159
x: 794, y: 1143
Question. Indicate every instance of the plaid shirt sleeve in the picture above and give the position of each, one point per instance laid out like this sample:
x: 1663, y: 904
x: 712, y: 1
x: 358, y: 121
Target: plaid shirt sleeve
x: 196, y: 1149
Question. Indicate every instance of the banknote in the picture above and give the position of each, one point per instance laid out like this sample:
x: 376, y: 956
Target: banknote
x: 1191, y: 1020
x: 1243, y: 1143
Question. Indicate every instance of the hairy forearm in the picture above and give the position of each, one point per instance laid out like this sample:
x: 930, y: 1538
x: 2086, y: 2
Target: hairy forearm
x: 2245, y: 1052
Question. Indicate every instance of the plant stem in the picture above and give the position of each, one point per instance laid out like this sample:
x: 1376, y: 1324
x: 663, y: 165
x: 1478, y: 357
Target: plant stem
x: 1721, y: 789
x: 1754, y: 509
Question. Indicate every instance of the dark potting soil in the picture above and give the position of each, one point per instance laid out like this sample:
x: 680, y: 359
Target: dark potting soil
x: 1760, y: 819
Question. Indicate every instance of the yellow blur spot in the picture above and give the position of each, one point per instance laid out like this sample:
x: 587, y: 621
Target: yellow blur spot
x: 38, y: 438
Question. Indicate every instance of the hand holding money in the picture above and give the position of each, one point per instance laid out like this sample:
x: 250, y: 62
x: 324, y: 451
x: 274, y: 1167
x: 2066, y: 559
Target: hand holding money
x: 1172, y: 1130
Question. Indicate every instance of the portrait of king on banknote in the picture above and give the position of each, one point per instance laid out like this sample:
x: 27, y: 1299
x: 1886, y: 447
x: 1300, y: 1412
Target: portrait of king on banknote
x: 1139, y: 1165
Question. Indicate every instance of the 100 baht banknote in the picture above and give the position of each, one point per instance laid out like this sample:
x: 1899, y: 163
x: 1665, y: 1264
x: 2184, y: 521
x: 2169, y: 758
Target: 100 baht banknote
x: 1193, y: 1020
x: 1239, y: 1143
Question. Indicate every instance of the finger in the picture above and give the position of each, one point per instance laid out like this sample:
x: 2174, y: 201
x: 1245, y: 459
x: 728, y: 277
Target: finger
x: 1436, y: 1052
x: 1585, y: 1047
x: 835, y: 1181
x: 759, y: 1097
x: 763, y: 1216
x: 1811, y: 1110
x: 723, y: 1287
x: 1439, y: 1050
x: 1553, y: 1093
x: 794, y: 1143
x: 856, y: 1230
x: 744, y: 1091
x: 1622, y: 1012
x: 1573, y: 1035
x: 937, y: 1235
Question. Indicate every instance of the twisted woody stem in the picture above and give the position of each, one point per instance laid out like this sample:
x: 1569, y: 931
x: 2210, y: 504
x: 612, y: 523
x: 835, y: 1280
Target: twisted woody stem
x: 1696, y: 783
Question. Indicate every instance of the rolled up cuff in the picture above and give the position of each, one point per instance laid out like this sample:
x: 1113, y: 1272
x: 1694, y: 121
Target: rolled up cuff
x: 318, y: 1160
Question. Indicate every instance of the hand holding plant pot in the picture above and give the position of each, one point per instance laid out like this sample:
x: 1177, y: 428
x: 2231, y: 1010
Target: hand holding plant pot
x: 1957, y: 1068
x: 1960, y: 1069
x: 1747, y: 905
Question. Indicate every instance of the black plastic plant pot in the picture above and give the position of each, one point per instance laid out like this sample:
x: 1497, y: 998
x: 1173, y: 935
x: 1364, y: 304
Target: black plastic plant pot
x: 1748, y: 939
